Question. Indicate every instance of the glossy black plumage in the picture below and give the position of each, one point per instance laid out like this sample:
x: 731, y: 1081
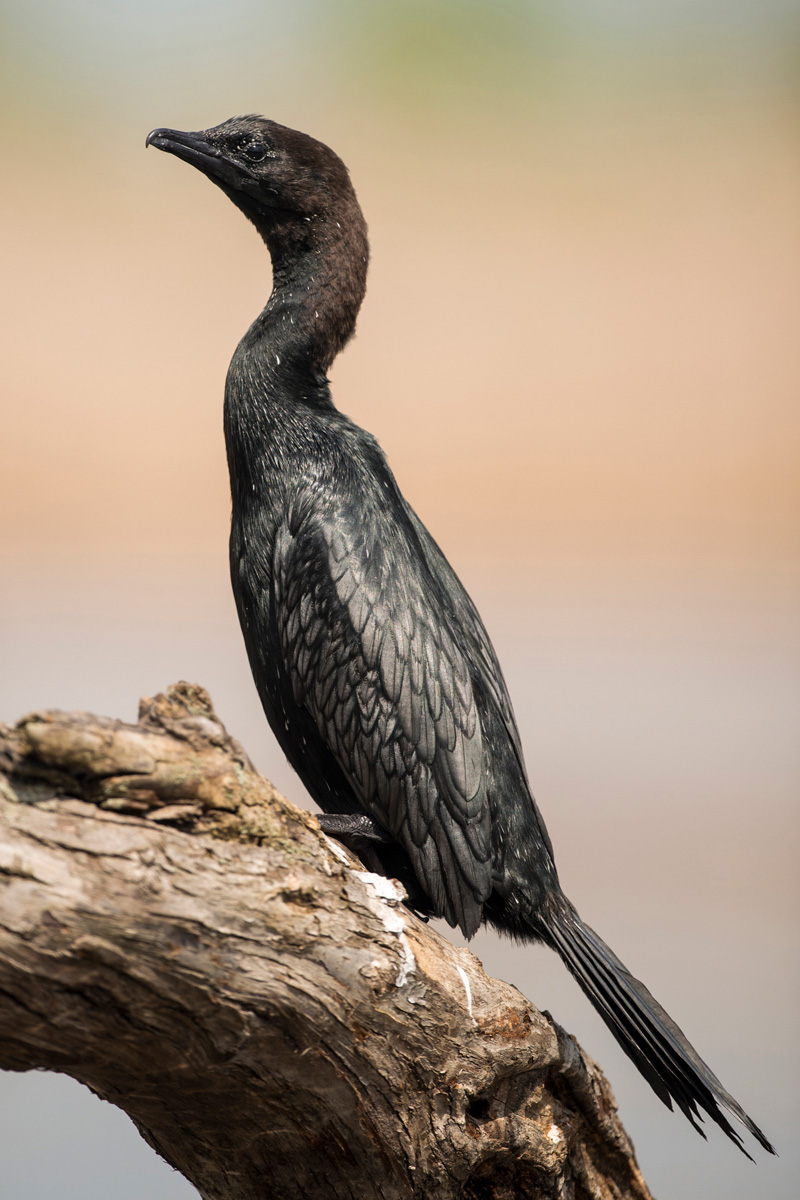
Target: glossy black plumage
x: 374, y: 669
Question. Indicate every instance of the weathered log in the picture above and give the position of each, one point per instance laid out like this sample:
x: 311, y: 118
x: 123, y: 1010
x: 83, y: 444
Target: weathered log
x: 183, y: 940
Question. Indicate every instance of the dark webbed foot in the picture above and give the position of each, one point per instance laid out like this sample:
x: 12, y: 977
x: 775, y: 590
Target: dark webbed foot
x: 353, y: 829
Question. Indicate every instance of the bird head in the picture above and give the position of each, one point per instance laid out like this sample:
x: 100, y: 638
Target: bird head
x: 265, y: 168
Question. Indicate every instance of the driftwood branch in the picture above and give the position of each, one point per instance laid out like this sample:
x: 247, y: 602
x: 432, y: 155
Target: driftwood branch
x: 180, y: 938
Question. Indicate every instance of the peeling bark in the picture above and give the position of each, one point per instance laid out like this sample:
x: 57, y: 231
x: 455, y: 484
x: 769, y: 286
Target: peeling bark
x: 180, y: 938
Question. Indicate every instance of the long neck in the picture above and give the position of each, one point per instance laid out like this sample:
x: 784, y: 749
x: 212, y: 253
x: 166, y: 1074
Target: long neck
x: 278, y: 373
x: 319, y: 267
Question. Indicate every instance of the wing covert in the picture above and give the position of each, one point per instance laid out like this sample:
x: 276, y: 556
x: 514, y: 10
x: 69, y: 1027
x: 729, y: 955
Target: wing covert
x: 371, y: 659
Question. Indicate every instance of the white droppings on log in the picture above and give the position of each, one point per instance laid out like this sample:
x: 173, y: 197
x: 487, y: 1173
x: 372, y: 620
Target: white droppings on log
x: 467, y: 989
x: 389, y: 891
x: 337, y: 850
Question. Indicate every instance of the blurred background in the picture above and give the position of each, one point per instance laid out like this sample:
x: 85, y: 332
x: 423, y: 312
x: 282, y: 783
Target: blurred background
x: 579, y: 351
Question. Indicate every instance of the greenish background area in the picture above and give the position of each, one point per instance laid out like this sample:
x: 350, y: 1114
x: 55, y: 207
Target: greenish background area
x: 578, y: 349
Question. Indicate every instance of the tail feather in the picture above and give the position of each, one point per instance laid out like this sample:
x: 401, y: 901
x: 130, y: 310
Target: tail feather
x: 646, y: 1033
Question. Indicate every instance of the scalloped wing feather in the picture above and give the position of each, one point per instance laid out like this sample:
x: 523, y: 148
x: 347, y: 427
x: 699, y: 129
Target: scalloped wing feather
x: 390, y: 693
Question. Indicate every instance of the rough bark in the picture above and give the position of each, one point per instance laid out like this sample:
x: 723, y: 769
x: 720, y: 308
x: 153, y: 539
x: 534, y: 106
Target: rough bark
x: 183, y: 940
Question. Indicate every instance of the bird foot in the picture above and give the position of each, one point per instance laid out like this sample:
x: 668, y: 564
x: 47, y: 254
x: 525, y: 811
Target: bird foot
x: 353, y: 829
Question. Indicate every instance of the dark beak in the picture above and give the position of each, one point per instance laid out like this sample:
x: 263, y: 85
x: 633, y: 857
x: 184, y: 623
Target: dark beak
x: 193, y: 148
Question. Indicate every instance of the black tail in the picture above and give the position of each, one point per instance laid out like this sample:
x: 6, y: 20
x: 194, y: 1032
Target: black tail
x: 646, y: 1033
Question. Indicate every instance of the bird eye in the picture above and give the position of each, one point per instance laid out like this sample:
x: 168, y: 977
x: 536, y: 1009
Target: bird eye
x: 255, y: 151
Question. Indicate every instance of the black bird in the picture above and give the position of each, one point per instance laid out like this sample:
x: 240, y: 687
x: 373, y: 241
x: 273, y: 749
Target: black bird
x: 372, y: 664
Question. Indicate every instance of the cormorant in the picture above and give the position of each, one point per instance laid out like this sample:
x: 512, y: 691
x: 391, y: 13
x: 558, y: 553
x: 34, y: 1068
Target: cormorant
x: 371, y: 661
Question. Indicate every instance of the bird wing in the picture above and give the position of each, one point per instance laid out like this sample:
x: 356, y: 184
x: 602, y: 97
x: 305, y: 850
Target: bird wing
x: 483, y: 655
x: 372, y: 660
x: 469, y: 619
